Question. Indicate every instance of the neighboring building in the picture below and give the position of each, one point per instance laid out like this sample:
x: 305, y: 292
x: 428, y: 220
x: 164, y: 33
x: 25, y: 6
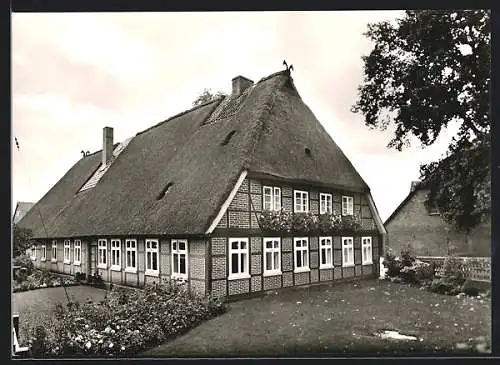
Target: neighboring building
x: 424, y: 231
x: 182, y: 199
x: 21, y: 209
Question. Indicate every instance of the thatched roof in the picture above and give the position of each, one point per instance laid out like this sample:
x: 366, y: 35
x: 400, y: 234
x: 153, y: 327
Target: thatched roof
x: 21, y: 209
x: 267, y: 130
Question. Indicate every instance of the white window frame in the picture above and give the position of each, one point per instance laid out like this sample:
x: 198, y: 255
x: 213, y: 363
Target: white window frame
x: 326, y: 243
x: 102, y: 252
x: 43, y: 256
x: 153, y: 251
x: 54, y: 251
x: 130, y: 246
x: 33, y: 253
x: 245, y: 274
x: 115, y: 247
x: 325, y: 203
x: 274, y: 195
x: 366, y: 242
x: 272, y: 251
x: 77, y: 247
x: 302, y: 268
x: 179, y: 252
x: 300, y: 207
x: 347, y: 205
x: 67, y: 252
x: 347, y: 244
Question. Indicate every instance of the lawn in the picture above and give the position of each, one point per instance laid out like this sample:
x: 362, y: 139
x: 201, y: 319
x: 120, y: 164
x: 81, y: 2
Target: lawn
x: 339, y: 319
x: 35, y: 307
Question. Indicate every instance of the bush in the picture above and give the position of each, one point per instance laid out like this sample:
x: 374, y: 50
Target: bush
x: 407, y: 257
x: 80, y: 276
x: 96, y: 280
x: 453, y: 270
x: 393, y: 266
x: 444, y: 286
x: 25, y: 262
x: 470, y: 288
x: 41, y: 279
x: 126, y: 322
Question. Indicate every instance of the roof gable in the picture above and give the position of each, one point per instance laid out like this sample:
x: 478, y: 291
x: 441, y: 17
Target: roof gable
x: 265, y: 130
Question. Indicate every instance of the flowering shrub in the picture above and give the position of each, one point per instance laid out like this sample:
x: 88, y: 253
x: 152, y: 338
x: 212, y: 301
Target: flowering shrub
x: 41, y: 279
x: 304, y: 222
x: 392, y: 265
x: 350, y: 222
x: 281, y: 221
x: 417, y: 273
x: 278, y: 221
x: 126, y: 322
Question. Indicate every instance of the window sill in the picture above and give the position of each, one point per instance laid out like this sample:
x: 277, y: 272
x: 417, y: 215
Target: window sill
x: 77, y: 263
x: 272, y: 273
x: 179, y: 276
x: 152, y: 273
x: 67, y: 262
x: 326, y: 267
x: 53, y: 260
x: 367, y: 263
x: 115, y: 268
x: 33, y: 259
x: 131, y: 270
x: 43, y: 260
x: 238, y: 276
x: 305, y: 269
x: 102, y: 266
x: 348, y: 265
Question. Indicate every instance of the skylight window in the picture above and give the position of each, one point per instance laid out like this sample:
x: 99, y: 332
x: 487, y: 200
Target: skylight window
x: 99, y: 173
x: 164, y: 191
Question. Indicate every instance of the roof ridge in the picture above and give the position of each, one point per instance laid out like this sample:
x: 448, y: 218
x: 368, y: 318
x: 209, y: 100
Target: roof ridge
x: 282, y: 72
x: 181, y: 114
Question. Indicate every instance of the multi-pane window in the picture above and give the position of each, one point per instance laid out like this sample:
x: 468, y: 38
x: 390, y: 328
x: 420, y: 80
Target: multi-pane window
x: 272, y: 262
x: 33, y: 252
x: 325, y: 203
x: 347, y: 205
x: 301, y: 251
x: 272, y: 198
x: 347, y: 251
x: 131, y: 255
x: 152, y: 257
x: 366, y: 251
x: 179, y: 259
x: 44, y: 253
x: 301, y: 201
x: 326, y: 252
x: 77, y: 252
x: 116, y: 255
x: 238, y: 258
x: 54, y: 251
x: 67, y: 252
x: 102, y: 254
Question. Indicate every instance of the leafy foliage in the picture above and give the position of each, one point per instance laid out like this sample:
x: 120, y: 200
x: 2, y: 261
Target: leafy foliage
x: 281, y: 221
x: 21, y: 238
x: 126, y: 322
x: 206, y: 96
x: 428, y: 69
x: 40, y: 279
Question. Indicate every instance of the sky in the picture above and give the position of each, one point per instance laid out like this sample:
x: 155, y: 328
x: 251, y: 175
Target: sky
x: 75, y: 73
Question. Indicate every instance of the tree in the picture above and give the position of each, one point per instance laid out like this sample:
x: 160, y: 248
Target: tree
x: 21, y: 238
x: 206, y: 96
x: 429, y: 68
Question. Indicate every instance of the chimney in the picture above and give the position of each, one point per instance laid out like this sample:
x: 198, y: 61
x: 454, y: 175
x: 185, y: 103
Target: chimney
x: 240, y: 84
x: 107, y: 145
x: 414, y: 185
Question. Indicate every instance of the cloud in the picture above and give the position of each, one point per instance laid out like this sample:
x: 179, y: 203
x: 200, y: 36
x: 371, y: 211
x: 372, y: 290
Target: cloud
x: 73, y: 74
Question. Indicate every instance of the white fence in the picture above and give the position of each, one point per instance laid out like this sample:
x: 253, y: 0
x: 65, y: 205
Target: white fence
x: 475, y: 268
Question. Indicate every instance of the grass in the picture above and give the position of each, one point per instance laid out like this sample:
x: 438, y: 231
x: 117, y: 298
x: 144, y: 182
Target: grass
x: 339, y: 319
x: 35, y: 307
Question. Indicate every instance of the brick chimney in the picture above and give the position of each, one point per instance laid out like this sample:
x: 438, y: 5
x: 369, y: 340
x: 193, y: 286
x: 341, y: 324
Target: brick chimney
x: 107, y: 145
x: 240, y: 84
x: 414, y: 185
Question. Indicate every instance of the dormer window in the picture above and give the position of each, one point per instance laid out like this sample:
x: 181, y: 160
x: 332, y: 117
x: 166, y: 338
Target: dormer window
x: 272, y: 198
